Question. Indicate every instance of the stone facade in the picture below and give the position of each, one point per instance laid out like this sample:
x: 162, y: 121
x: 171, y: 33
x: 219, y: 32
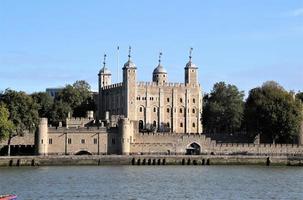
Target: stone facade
x: 159, y: 105
x: 156, y: 117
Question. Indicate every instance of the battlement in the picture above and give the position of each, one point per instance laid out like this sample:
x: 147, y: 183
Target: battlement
x: 112, y: 86
x: 78, y: 122
x: 76, y: 129
x: 154, y: 84
x: 268, y: 146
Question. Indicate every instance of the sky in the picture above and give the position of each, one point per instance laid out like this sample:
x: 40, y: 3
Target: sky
x: 52, y: 43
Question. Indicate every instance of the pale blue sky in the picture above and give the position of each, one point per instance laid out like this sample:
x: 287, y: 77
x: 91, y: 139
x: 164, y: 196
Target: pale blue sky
x: 55, y: 42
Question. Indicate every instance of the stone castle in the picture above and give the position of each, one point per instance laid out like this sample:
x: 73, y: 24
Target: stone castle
x: 156, y: 117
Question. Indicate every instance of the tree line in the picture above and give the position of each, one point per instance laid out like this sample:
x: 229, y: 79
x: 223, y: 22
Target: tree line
x: 269, y: 110
x: 20, y: 112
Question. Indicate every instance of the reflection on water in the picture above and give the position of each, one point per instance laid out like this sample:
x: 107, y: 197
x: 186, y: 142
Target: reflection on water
x: 153, y: 182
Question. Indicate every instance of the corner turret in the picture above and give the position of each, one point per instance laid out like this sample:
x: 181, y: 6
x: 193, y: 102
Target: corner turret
x: 191, y: 71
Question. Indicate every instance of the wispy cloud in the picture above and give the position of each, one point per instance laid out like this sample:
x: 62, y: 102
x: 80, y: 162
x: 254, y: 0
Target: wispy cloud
x: 297, y: 12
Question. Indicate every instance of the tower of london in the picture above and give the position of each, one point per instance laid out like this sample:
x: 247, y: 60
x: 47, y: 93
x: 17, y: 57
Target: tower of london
x: 158, y: 105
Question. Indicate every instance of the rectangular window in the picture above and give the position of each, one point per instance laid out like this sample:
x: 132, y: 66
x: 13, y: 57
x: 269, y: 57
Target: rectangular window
x: 82, y: 141
x: 69, y: 140
x: 181, y: 125
x: 50, y: 141
x: 181, y: 100
x: 95, y: 141
x: 167, y: 99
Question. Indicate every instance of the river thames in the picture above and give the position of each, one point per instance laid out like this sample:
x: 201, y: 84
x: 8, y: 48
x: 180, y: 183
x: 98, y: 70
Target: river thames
x: 153, y: 182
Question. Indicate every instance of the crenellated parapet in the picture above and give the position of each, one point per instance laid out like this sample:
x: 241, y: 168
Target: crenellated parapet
x: 113, y: 86
x: 154, y: 84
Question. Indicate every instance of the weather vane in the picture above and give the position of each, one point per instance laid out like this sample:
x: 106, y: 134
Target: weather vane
x: 104, y: 60
x: 160, y: 54
x: 129, y: 52
x: 190, y: 53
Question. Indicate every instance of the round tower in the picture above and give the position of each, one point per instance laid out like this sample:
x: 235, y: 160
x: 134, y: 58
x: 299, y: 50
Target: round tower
x: 42, y: 137
x: 159, y: 73
x: 126, y: 135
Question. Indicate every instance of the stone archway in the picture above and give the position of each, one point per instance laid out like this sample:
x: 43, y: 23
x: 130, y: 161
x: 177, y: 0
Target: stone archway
x: 83, y: 152
x: 193, y: 149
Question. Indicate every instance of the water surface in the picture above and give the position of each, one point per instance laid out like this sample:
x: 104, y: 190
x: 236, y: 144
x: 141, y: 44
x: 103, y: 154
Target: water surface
x: 153, y: 182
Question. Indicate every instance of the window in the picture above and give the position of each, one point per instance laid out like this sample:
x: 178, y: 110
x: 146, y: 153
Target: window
x: 163, y: 75
x: 42, y: 141
x: 181, y: 110
x: 155, y: 109
x: 167, y: 99
x: 141, y: 109
x: 82, y: 141
x: 181, y: 124
x: 194, y: 100
x: 167, y: 110
x: 192, y: 70
x: 154, y: 123
x: 181, y: 100
x: 95, y: 140
x: 168, y: 125
x: 194, y: 111
x: 50, y: 141
x: 194, y: 125
x: 69, y: 140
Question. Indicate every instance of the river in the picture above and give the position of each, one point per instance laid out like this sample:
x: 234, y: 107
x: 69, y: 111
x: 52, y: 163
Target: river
x: 153, y: 182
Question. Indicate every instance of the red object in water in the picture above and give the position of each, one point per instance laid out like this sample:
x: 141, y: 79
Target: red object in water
x: 8, y: 197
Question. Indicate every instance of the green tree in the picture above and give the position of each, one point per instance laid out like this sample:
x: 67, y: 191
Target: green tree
x: 6, y: 125
x: 78, y: 97
x: 273, y: 113
x: 23, y: 113
x: 59, y: 112
x: 223, y: 108
x: 300, y: 96
x: 44, y: 103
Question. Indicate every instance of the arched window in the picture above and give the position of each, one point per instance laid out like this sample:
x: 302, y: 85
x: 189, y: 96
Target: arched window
x: 181, y: 124
x: 194, y: 111
x: 194, y: 125
x: 154, y: 123
x: 181, y: 100
x: 155, y: 109
x: 194, y: 100
x: 141, y: 109
x: 181, y: 110
x: 167, y: 110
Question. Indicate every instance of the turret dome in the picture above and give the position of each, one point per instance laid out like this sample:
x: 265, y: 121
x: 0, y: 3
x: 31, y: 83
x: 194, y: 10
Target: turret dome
x: 190, y: 65
x: 159, y: 70
x: 129, y: 64
x: 104, y: 70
